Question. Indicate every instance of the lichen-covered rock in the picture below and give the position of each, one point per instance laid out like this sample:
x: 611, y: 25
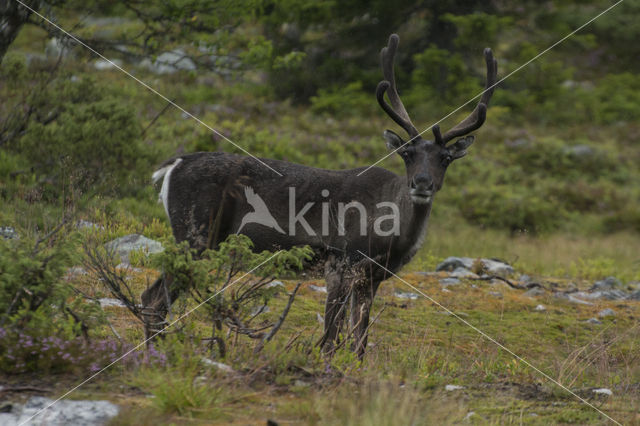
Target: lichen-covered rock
x: 125, y: 245
x: 491, y: 266
x: 64, y: 412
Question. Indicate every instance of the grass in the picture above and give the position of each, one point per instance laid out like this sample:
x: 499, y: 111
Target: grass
x: 562, y: 254
x: 415, y: 351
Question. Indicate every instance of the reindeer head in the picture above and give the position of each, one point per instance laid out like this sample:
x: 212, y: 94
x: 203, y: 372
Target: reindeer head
x: 426, y: 161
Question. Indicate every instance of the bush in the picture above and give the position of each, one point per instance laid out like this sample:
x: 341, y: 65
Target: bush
x: 349, y: 100
x: 89, y: 144
x: 512, y: 207
x: 43, y: 323
x: 206, y: 277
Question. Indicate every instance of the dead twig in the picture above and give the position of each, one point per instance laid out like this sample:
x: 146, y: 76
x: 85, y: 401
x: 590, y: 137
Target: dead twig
x: 277, y: 325
x: 16, y: 389
x: 509, y: 283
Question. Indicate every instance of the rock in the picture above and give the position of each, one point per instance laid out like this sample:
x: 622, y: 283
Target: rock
x: 63, y: 412
x: 450, y: 388
x: 128, y: 268
x: 85, y: 224
x: 462, y: 273
x: 469, y: 415
x: 317, y: 288
x: 56, y: 48
x: 524, y: 278
x: 450, y: 264
x: 518, y: 143
x: 492, y: 266
x: 594, y: 321
x: 407, y: 295
x: 170, y: 62
x: 275, y: 283
x: 125, y: 245
x: 634, y: 296
x: 498, y: 267
x: 8, y: 233
x: 534, y: 292
x: 102, y: 65
x: 606, y: 284
x: 495, y: 294
x: 603, y: 295
x: 220, y: 366
x: 263, y: 309
x: 540, y: 308
x: 449, y: 281
x: 602, y: 391
x: 580, y: 151
x: 612, y: 295
x: 319, y: 318
x: 106, y: 302
x: 607, y: 313
x: 571, y: 298
x: 75, y: 272
x: 574, y: 299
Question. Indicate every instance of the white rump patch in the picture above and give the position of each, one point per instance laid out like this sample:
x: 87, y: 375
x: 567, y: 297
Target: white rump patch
x: 164, y: 190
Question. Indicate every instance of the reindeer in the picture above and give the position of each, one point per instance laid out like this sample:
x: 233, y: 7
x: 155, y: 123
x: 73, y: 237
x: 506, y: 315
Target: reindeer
x: 203, y: 197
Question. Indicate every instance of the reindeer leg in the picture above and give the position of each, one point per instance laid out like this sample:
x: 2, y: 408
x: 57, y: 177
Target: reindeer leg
x: 335, y: 306
x: 361, y: 302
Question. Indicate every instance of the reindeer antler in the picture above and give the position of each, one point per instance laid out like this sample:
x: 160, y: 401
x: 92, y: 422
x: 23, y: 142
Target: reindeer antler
x: 396, y: 110
x: 479, y: 114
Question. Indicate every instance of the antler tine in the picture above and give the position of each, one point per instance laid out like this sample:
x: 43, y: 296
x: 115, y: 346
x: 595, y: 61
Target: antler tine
x: 397, y: 110
x: 479, y: 114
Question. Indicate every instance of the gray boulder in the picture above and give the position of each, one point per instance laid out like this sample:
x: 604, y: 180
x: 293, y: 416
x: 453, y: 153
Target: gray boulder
x: 125, y: 245
x: 63, y: 412
x: 607, y: 313
x: 579, y: 151
x: 571, y: 298
x: 449, y: 281
x: 606, y: 284
x: 407, y: 295
x: 635, y: 296
x: 493, y: 266
x: 9, y: 233
x: 170, y: 62
x: 462, y: 273
x: 534, y: 292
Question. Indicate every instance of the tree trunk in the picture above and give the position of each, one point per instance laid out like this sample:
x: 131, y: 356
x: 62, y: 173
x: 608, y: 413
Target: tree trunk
x: 12, y: 17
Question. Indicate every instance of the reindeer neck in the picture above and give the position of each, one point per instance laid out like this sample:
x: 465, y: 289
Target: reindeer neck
x: 414, y: 219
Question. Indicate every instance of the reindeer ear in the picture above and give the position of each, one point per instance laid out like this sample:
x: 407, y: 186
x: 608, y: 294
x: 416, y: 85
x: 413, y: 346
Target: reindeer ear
x: 393, y: 140
x: 459, y: 148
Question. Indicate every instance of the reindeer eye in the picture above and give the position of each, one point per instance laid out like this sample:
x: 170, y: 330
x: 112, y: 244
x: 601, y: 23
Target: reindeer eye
x: 405, y: 154
x: 447, y: 159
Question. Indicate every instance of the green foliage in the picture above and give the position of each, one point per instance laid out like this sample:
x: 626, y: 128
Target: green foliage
x: 514, y: 208
x: 232, y: 282
x: 184, y: 391
x: 349, y: 100
x: 477, y: 30
x: 40, y: 315
x: 33, y: 293
x: 93, y: 144
x: 616, y: 98
x: 441, y: 77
